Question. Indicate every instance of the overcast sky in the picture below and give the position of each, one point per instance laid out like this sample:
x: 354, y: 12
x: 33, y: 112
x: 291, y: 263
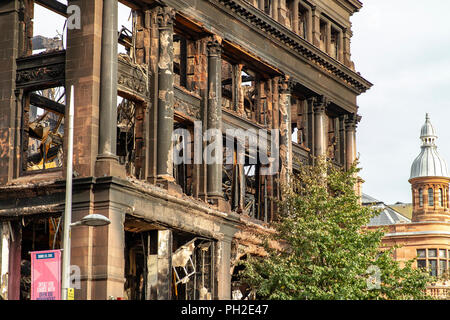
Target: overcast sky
x: 403, y: 48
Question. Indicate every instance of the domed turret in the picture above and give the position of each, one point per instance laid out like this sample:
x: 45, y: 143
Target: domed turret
x: 429, y: 180
x: 428, y: 163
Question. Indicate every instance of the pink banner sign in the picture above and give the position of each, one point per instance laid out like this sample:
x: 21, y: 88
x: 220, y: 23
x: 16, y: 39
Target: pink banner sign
x: 46, y: 275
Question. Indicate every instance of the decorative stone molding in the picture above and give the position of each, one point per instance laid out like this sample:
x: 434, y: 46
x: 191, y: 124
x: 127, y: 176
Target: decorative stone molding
x: 132, y: 79
x: 320, y: 103
x: 351, y: 121
x: 214, y: 47
x: 41, y: 70
x: 286, y: 85
x: 260, y: 20
x: 165, y: 17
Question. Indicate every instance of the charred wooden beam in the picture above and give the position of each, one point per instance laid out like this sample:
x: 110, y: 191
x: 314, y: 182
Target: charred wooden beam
x: 47, y: 104
x: 54, y: 6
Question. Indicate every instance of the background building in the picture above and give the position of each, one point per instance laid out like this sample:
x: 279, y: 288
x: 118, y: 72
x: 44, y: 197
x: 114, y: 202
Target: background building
x: 232, y: 64
x: 427, y: 235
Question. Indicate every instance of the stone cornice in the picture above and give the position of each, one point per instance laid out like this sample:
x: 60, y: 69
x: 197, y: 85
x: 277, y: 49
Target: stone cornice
x: 351, y: 6
x: 288, y: 38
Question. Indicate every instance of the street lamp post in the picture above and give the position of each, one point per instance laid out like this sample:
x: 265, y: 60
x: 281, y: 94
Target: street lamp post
x: 92, y: 220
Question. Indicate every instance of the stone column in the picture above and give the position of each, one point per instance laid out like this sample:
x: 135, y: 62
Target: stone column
x: 261, y: 5
x: 107, y: 163
x: 166, y: 16
x: 342, y: 146
x: 275, y: 5
x: 285, y: 126
x: 164, y: 265
x: 9, y: 22
x: 14, y: 263
x: 328, y: 38
x: 341, y: 47
x: 350, y: 137
x: 315, y: 27
x: 214, y: 119
x: 223, y: 269
x: 320, y: 104
x: 309, y: 26
x: 107, y: 247
x: 309, y: 128
x: 346, y: 47
x: 295, y: 17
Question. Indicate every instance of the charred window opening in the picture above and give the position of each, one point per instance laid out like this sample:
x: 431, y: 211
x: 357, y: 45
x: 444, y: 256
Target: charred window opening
x: 38, y: 234
x: 323, y: 35
x: 257, y: 198
x: 232, y: 176
x: 127, y: 30
x: 334, y: 132
x: 183, y: 150
x: 193, y: 268
x: 249, y: 89
x: 130, y: 136
x: 238, y: 89
x: 126, y: 138
x: 298, y: 24
x: 135, y: 266
x: 125, y: 40
x: 299, y: 119
x: 165, y: 263
x: 45, y: 37
x: 335, y: 45
x: 244, y: 185
x: 180, y: 60
x: 43, y: 129
x: 229, y: 86
x: 302, y: 21
x: 268, y: 7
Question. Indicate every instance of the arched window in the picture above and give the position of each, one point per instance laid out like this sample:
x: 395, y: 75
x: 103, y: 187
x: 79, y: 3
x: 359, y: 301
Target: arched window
x: 441, y: 198
x: 430, y: 197
x: 420, y: 197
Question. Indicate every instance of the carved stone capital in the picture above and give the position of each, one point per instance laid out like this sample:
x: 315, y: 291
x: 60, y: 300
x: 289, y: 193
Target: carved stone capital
x: 286, y: 85
x: 165, y: 17
x: 320, y: 103
x: 214, y: 46
x: 352, y: 121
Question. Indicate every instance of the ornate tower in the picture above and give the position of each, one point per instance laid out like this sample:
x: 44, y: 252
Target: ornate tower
x: 429, y: 180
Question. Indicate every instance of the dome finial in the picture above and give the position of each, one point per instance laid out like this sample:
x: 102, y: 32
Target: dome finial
x: 427, y: 133
x: 428, y: 162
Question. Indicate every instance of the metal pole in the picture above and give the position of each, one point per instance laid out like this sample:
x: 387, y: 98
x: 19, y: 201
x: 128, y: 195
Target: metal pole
x: 68, y: 204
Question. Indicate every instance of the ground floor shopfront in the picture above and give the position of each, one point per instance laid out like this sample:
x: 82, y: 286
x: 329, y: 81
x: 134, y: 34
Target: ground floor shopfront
x: 159, y: 245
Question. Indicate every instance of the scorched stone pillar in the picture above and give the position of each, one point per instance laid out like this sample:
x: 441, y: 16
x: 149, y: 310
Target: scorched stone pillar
x: 285, y: 127
x: 319, y: 126
x: 214, y: 121
x: 165, y: 17
x: 350, y: 137
x: 107, y: 163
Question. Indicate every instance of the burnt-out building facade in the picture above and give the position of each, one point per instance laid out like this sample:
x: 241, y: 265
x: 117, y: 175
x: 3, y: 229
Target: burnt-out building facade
x: 178, y: 228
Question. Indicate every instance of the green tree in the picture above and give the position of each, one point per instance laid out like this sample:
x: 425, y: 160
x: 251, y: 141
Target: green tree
x: 326, y: 251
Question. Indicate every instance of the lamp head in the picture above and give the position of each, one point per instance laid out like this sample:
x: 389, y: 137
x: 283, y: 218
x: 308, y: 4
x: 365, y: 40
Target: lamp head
x: 95, y: 220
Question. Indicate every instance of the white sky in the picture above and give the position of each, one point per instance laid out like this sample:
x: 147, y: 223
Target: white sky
x: 401, y: 46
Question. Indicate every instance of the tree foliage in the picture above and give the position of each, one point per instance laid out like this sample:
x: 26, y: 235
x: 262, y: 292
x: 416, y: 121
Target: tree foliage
x: 328, y: 253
